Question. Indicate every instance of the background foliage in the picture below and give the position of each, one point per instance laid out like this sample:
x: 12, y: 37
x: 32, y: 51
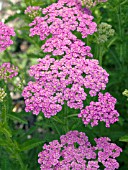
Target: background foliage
x: 26, y: 132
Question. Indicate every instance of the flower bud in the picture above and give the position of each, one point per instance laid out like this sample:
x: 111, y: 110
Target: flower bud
x: 2, y: 94
x: 105, y: 31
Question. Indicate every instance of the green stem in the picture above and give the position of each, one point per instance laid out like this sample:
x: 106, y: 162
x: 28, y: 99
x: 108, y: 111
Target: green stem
x: 8, y: 55
x: 55, y: 127
x: 120, y: 33
x: 100, y: 56
x: 6, y: 132
x: 124, y: 2
x: 20, y: 162
x: 66, y: 120
x: 73, y: 115
x: 30, y: 2
x: 4, y: 110
x: 57, y: 120
x: 99, y: 53
x: 87, y: 41
x: 96, y: 51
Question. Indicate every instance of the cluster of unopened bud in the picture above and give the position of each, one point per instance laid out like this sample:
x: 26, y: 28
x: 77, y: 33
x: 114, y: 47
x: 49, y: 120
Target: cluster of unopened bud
x: 91, y: 3
x: 105, y: 31
x: 2, y: 94
x: 125, y: 93
x: 87, y: 3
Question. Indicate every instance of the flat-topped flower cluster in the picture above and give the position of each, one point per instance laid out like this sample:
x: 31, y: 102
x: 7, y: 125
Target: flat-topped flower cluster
x: 5, y: 33
x: 59, y: 20
x: 8, y: 71
x: 75, y: 152
x: 103, y: 110
x: 62, y: 80
x: 33, y: 11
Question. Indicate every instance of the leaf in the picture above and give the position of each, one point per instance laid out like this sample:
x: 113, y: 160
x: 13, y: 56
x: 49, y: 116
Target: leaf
x: 50, y: 137
x: 5, y: 131
x: 124, y: 138
x: 16, y: 117
x: 12, y: 17
x: 3, y: 142
x: 25, y: 28
x: 112, y: 41
x: 27, y: 38
x: 55, y: 118
x: 4, y: 163
x: 40, y: 2
x: 28, y: 2
x: 29, y: 132
x: 121, y: 121
x: 30, y: 144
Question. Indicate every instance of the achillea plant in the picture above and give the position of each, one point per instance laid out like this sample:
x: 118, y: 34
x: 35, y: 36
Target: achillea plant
x: 5, y: 36
x: 65, y: 82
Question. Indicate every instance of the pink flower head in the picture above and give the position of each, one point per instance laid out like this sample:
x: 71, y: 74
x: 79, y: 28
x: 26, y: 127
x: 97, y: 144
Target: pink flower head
x: 31, y: 9
x: 59, y: 20
x: 8, y: 71
x: 107, y: 152
x: 62, y: 80
x: 5, y: 33
x: 74, y: 151
x: 103, y: 110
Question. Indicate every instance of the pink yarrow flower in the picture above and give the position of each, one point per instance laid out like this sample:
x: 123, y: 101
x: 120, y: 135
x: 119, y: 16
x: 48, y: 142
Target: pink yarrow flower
x: 74, y: 151
x: 8, y: 71
x: 59, y: 20
x: 5, y: 33
x: 62, y: 80
x: 31, y: 9
x: 103, y: 110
